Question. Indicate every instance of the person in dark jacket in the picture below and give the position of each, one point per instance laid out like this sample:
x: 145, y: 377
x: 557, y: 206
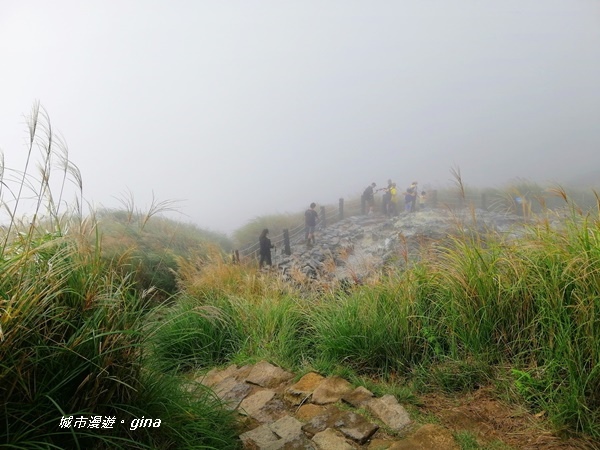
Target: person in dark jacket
x: 265, y: 248
x: 310, y: 224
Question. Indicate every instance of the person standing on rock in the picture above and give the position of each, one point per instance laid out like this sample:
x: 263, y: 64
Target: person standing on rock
x: 265, y: 249
x: 422, y: 200
x: 410, y: 197
x: 386, y: 197
x: 393, y: 205
x: 368, y: 197
x: 310, y: 223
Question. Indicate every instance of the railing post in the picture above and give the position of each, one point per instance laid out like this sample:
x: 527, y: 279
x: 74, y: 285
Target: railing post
x: 286, y: 242
x: 323, y: 217
x: 341, y: 209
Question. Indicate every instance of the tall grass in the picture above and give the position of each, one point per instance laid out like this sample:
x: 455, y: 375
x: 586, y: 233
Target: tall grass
x: 73, y: 331
x: 481, y: 305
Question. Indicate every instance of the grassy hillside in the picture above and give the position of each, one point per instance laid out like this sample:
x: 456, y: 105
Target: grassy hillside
x: 82, y: 342
x: 520, y: 314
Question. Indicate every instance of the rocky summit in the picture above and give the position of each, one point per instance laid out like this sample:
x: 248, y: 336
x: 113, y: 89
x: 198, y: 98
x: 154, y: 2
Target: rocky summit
x: 351, y: 249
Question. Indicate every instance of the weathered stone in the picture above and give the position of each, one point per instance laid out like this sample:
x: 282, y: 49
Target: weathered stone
x: 389, y: 411
x: 252, y: 404
x: 357, y: 428
x: 287, y: 428
x: 215, y: 376
x: 232, y: 392
x: 358, y: 397
x: 267, y: 375
x: 352, y: 425
x: 297, y: 393
x: 330, y: 440
x: 307, y: 411
x: 331, y: 390
x: 258, y: 438
x: 320, y: 422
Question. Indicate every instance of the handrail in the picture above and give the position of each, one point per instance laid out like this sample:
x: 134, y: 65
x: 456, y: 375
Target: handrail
x: 332, y: 214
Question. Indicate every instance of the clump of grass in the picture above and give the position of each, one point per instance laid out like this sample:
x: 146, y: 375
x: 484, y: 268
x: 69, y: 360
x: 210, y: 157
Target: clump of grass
x: 72, y: 338
x: 369, y: 329
x: 196, y: 336
x: 276, y: 329
x: 214, y: 276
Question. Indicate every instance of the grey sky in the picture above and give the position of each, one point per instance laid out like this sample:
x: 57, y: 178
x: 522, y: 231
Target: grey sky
x: 247, y: 108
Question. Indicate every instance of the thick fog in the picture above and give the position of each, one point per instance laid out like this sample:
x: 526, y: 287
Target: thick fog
x: 245, y: 108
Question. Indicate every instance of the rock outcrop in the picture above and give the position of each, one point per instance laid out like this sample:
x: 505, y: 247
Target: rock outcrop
x: 351, y: 249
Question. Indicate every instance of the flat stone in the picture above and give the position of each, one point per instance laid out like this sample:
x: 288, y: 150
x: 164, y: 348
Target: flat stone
x: 320, y: 422
x: 258, y: 438
x: 331, y: 390
x: 308, y: 411
x: 389, y: 411
x: 297, y: 393
x: 330, y: 440
x: 358, y: 397
x: 232, y: 392
x: 352, y: 425
x: 287, y: 428
x: 357, y: 428
x: 267, y: 375
x: 215, y: 376
x: 253, y: 403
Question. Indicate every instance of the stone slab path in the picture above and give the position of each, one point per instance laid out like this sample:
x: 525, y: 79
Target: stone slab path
x: 316, y: 412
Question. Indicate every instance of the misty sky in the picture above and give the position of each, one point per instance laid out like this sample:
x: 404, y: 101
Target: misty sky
x: 247, y: 108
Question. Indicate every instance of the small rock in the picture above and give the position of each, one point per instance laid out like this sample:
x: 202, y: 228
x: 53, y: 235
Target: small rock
x: 331, y: 390
x: 358, y: 397
x: 308, y: 411
x: 267, y: 375
x: 287, y: 428
x: 258, y: 438
x: 301, y: 390
x: 232, y: 392
x: 389, y: 411
x: 330, y: 440
x: 215, y: 376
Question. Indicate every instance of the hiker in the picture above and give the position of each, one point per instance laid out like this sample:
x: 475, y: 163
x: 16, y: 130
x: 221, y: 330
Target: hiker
x: 368, y: 197
x: 410, y: 197
x: 310, y: 223
x: 265, y: 248
x: 393, y: 205
x: 386, y: 197
x: 422, y: 200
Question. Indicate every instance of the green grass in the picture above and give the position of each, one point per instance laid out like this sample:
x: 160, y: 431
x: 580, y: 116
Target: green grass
x: 74, y: 333
x: 477, y: 305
